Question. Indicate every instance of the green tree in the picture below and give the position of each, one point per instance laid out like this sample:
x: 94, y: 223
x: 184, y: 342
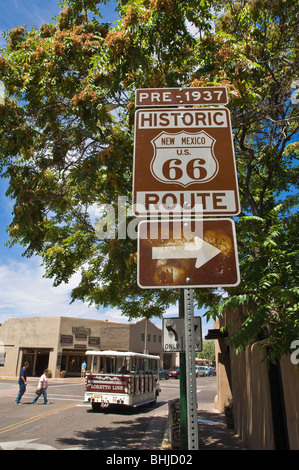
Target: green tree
x: 65, y: 152
x: 254, y: 48
x: 208, y: 351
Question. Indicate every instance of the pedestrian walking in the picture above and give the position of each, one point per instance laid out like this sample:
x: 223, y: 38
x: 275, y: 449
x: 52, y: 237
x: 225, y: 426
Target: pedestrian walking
x: 83, y: 369
x: 42, y: 388
x: 22, y: 382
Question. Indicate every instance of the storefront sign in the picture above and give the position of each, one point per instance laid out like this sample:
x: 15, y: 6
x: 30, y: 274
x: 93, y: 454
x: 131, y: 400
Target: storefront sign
x: 66, y: 339
x: 94, y: 341
x: 80, y: 336
x: 81, y: 329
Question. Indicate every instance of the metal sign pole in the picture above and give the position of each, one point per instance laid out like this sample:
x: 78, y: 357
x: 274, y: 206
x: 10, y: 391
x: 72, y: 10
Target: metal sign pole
x: 183, y: 390
x: 190, y: 371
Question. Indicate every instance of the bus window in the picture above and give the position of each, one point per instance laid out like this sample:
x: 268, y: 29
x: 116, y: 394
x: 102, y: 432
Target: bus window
x: 153, y: 366
x: 123, y: 365
x: 139, y: 365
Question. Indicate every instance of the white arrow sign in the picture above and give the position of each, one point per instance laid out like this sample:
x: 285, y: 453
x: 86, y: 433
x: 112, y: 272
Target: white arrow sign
x: 187, y: 253
x: 197, y: 248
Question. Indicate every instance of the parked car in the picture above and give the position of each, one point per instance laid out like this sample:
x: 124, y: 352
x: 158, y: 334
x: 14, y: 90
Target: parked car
x: 163, y: 374
x: 174, y: 372
x: 210, y: 371
x: 200, y: 371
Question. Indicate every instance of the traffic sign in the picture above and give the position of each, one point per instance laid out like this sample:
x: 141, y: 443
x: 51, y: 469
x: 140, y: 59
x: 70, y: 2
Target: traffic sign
x: 187, y: 253
x: 184, y: 162
x: 173, y: 332
x: 181, y: 96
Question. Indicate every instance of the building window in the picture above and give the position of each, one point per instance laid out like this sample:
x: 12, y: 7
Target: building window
x: 160, y: 339
x: 142, y: 336
x: 154, y: 338
x: 2, y: 358
x: 148, y: 337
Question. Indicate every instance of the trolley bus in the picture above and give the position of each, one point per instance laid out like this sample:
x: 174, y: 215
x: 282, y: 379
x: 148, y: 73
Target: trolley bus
x: 121, y: 378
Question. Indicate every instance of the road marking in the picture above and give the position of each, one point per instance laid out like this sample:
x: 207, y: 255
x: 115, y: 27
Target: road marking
x: 12, y: 427
x: 66, y: 385
x: 53, y: 398
x: 54, y: 395
x: 27, y: 444
x: 200, y: 420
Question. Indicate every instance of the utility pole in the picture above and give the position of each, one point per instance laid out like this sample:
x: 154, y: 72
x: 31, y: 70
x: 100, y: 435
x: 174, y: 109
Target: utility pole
x: 145, y: 337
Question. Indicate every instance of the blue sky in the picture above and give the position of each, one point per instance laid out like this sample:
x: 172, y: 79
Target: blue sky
x: 23, y: 290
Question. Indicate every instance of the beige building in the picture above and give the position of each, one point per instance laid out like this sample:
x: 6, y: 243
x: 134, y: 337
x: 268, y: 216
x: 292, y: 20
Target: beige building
x: 59, y: 343
x: 265, y: 400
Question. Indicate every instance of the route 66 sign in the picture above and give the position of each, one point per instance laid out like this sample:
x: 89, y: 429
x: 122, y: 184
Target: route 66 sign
x: 184, y: 162
x: 184, y: 158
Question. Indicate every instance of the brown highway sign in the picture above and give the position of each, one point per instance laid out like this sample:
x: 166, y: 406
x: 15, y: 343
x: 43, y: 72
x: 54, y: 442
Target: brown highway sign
x: 187, y: 253
x: 184, y: 162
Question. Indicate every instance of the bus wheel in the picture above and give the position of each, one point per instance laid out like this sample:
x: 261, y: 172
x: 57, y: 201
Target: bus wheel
x: 96, y: 406
x: 154, y: 401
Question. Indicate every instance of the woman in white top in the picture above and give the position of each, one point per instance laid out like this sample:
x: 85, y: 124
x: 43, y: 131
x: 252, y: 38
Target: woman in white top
x: 42, y: 386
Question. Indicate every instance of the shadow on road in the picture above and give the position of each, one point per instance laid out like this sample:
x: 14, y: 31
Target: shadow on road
x: 126, y: 410
x: 143, y: 432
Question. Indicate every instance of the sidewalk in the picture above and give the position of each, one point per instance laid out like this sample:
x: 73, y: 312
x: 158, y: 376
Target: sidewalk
x: 213, y: 433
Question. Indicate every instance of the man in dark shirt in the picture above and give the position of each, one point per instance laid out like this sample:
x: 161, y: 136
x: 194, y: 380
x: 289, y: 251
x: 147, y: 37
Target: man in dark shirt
x: 22, y: 382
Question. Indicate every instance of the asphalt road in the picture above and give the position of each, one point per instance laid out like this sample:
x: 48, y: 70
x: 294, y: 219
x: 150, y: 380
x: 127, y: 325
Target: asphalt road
x: 67, y: 423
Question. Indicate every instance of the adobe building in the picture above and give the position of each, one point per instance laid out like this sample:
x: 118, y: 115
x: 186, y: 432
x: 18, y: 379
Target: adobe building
x: 59, y: 343
x: 265, y: 400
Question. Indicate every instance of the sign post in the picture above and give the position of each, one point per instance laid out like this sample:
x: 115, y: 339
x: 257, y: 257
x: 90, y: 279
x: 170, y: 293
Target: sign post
x: 190, y: 371
x: 184, y: 167
x: 183, y: 384
x: 183, y: 334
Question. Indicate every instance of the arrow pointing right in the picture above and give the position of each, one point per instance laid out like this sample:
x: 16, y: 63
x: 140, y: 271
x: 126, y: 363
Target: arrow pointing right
x: 198, y: 248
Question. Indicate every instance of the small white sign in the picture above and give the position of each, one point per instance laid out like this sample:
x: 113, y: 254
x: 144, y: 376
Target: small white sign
x: 174, y: 334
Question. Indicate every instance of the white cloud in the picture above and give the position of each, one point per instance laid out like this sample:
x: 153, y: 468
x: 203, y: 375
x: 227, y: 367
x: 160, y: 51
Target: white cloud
x: 24, y: 292
x: 115, y: 314
x: 172, y: 311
